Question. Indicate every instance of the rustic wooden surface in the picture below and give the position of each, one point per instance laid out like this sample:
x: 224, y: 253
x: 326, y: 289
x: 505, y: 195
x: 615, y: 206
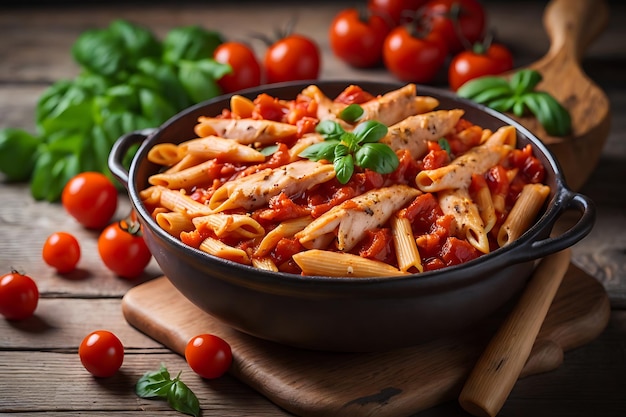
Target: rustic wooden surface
x: 41, y: 370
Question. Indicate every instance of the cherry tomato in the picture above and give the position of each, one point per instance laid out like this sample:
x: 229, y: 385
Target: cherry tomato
x: 101, y: 353
x: 123, y: 250
x: 294, y: 57
x: 246, y: 68
x: 461, y: 22
x: 358, y: 38
x: 414, y: 59
x: 478, y: 62
x: 61, y: 251
x: 18, y: 296
x: 208, y: 355
x: 91, y: 198
x: 395, y: 12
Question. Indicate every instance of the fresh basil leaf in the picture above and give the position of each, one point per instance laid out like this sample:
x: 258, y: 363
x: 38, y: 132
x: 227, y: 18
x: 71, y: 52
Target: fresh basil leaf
x: 524, y: 80
x: 190, y: 43
x: 502, y: 104
x: 519, y: 106
x: 154, y: 107
x: 488, y: 95
x: 101, y: 52
x: 17, y: 153
x: 269, y: 150
x: 167, y: 80
x: 444, y: 144
x: 138, y: 41
x: 369, y: 131
x: 378, y: 157
x: 199, y: 78
x: 50, y: 174
x: 321, y: 150
x: 182, y: 399
x: 476, y: 86
x: 330, y: 130
x: 351, y: 113
x: 562, y: 118
x: 71, y: 109
x: 344, y: 168
x: 155, y: 384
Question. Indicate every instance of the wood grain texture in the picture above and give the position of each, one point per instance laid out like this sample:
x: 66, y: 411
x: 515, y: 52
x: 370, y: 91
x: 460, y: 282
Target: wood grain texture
x: 310, y: 383
x: 572, y: 25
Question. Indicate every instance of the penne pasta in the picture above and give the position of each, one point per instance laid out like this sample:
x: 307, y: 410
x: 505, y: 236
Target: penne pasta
x: 338, y: 264
x: 244, y: 190
x: 218, y: 248
x: 459, y: 204
x: 404, y: 242
x: 523, y: 213
x: 174, y: 223
x: 230, y: 225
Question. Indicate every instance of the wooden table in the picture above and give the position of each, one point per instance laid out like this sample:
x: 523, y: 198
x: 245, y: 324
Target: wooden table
x: 40, y: 368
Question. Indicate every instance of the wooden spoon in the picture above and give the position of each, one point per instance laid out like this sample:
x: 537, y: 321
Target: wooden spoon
x: 572, y: 25
x: 500, y: 365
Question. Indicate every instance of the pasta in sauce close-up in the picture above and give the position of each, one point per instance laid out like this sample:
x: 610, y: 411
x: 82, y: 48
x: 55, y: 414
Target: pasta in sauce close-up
x: 354, y: 185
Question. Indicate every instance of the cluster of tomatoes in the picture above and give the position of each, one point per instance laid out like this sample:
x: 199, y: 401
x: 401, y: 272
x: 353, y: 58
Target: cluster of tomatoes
x: 291, y: 57
x: 91, y: 198
x: 414, y: 39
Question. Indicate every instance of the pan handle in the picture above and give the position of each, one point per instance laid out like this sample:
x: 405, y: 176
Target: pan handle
x: 531, y: 249
x: 119, y: 150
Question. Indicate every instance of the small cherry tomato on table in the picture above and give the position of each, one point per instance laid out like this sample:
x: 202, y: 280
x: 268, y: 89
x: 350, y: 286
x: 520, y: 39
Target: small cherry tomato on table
x: 293, y: 57
x: 122, y: 248
x: 414, y: 57
x: 246, y: 70
x: 357, y: 37
x: 91, y: 198
x: 460, y: 22
x: 61, y: 251
x: 19, y: 296
x: 101, y: 353
x: 478, y: 62
x: 208, y: 355
x: 395, y: 12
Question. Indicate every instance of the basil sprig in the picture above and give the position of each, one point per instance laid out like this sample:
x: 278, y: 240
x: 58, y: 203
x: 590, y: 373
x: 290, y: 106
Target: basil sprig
x: 159, y: 385
x: 519, y: 96
x: 358, y: 147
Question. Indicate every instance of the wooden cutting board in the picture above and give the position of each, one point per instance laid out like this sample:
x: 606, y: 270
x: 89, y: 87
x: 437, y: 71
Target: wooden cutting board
x: 392, y: 383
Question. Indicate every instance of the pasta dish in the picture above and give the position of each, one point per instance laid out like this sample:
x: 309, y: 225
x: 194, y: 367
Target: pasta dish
x: 356, y: 185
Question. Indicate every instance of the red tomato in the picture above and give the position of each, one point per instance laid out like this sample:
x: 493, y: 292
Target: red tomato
x: 395, y: 12
x: 246, y: 68
x: 208, y: 355
x: 123, y: 250
x: 358, y: 38
x: 294, y: 57
x: 461, y: 22
x: 18, y: 296
x: 61, y: 251
x: 101, y: 353
x: 414, y: 59
x: 468, y: 65
x: 91, y: 198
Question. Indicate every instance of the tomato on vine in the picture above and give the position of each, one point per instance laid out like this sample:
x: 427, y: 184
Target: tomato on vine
x: 395, y: 12
x: 208, y: 355
x: 293, y: 57
x: 122, y: 248
x: 460, y: 22
x: 357, y: 37
x: 91, y: 198
x: 493, y: 59
x: 101, y: 353
x: 61, y: 251
x: 412, y: 56
x: 19, y: 296
x: 246, y: 70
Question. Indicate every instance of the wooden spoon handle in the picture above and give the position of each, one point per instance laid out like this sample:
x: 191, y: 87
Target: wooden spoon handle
x: 572, y: 25
x: 500, y: 365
